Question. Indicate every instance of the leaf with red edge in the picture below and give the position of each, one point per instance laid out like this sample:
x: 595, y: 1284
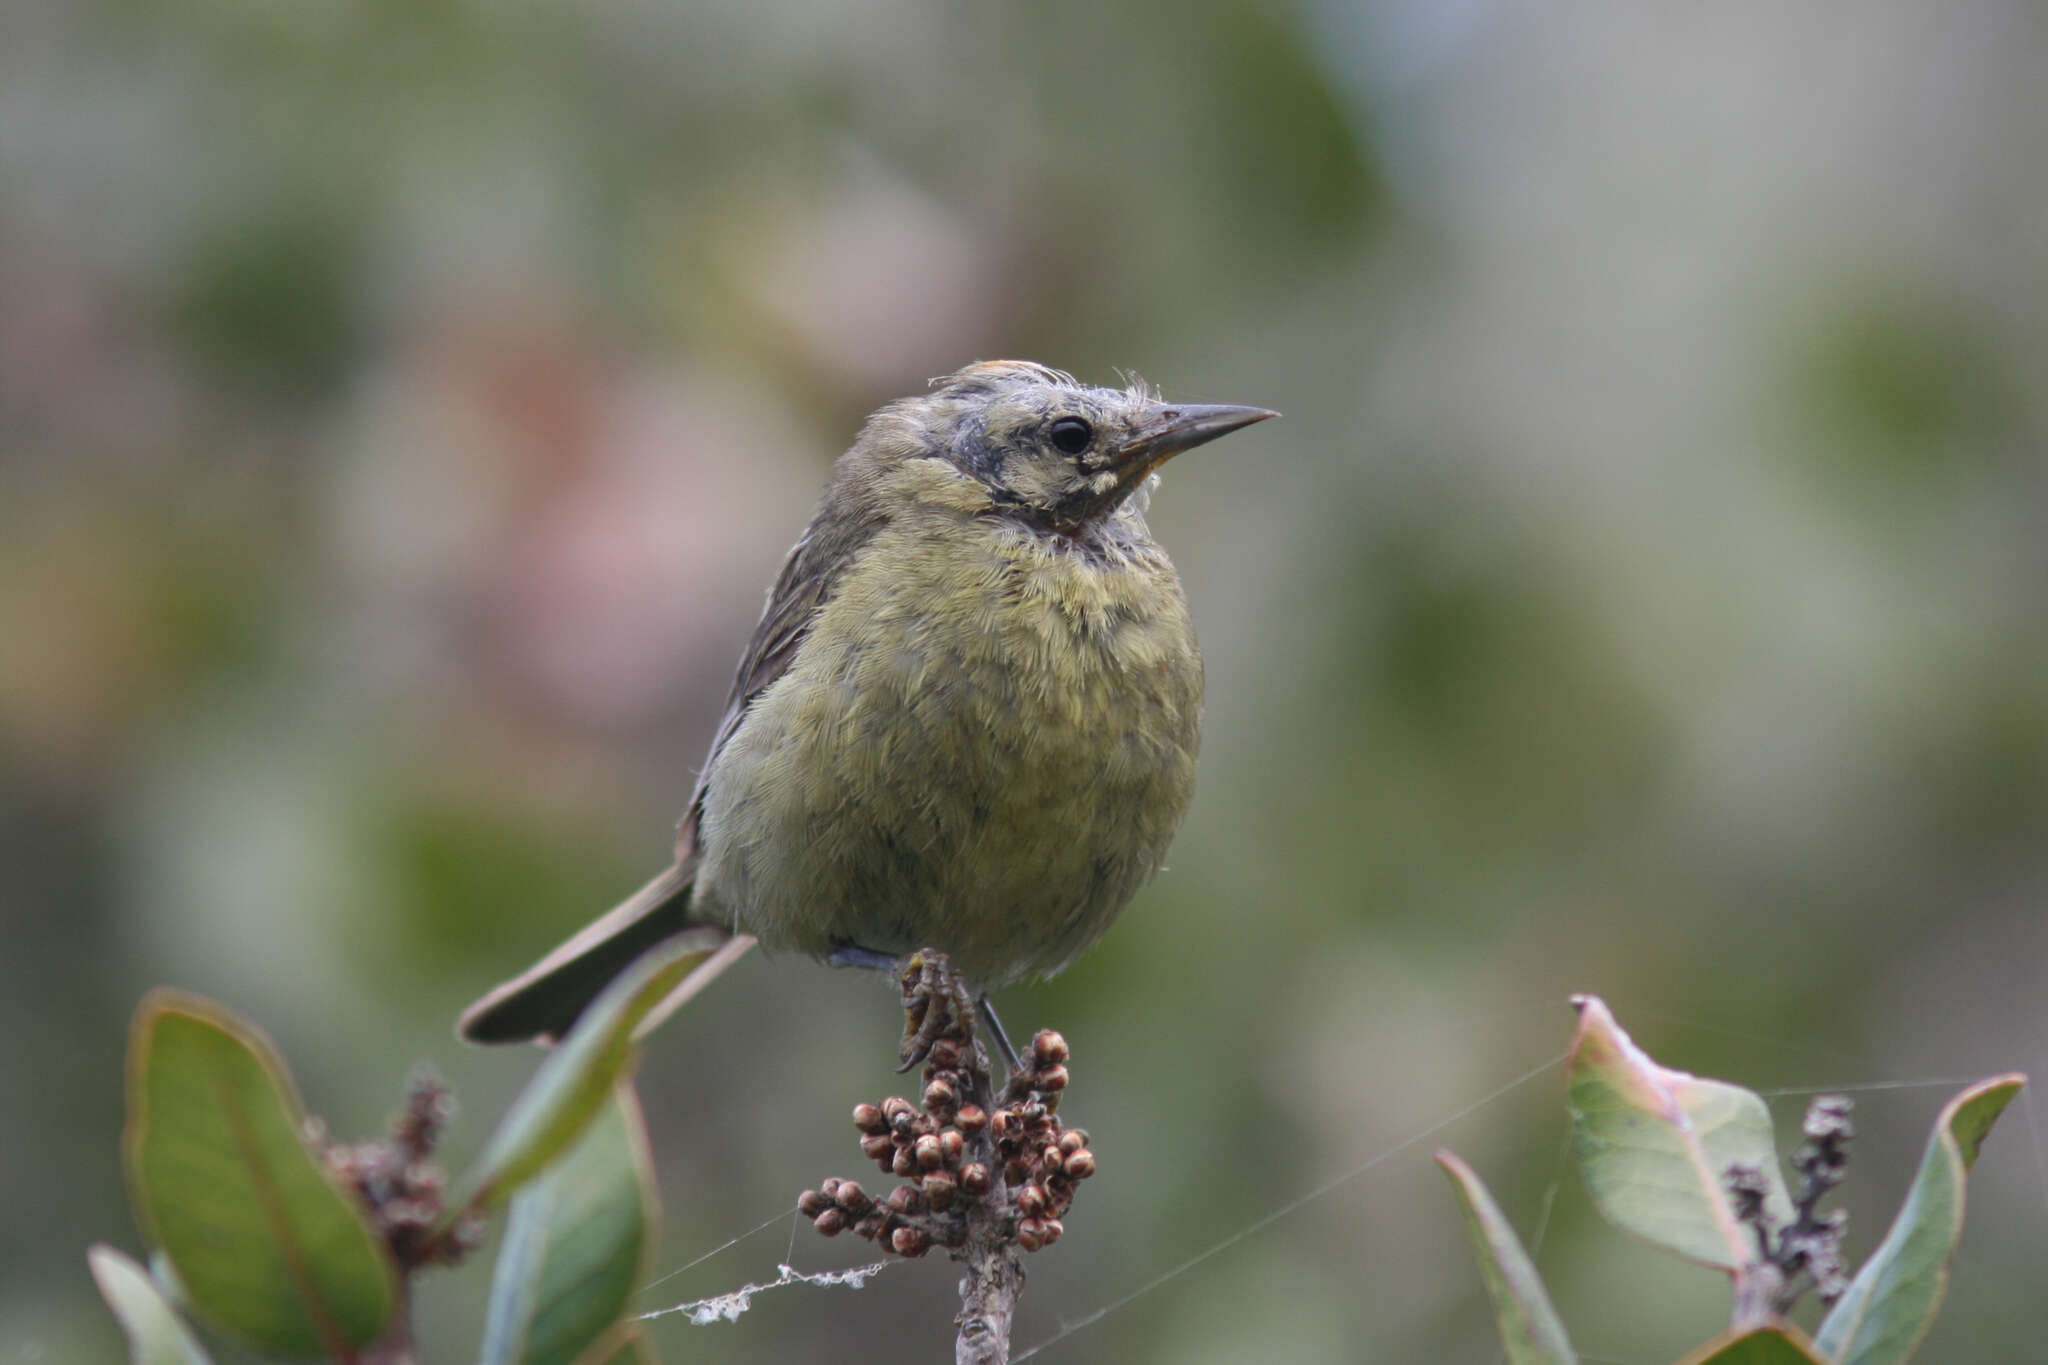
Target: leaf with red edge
x: 1530, y: 1331
x: 265, y: 1242
x: 1655, y: 1145
x: 1890, y: 1305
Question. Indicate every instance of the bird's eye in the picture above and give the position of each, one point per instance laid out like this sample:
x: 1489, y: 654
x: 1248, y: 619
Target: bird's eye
x: 1071, y: 435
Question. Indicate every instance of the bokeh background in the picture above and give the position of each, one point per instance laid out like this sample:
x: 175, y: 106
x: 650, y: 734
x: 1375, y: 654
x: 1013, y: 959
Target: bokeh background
x: 403, y: 407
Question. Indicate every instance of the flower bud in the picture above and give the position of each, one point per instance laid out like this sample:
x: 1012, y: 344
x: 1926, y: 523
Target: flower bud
x: 928, y: 1154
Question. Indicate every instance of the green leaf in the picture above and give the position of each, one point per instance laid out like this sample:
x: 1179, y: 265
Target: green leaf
x: 1655, y: 1144
x: 156, y: 1334
x: 1529, y: 1326
x: 1891, y: 1303
x: 570, y: 1087
x: 263, y: 1240
x: 1780, y: 1343
x: 577, y: 1246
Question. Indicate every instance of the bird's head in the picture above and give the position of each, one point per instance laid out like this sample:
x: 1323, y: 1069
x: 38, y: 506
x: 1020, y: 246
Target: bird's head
x: 1054, y: 451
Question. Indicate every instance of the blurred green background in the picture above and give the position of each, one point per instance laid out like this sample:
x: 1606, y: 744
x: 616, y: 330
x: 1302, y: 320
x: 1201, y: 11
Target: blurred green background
x: 404, y: 406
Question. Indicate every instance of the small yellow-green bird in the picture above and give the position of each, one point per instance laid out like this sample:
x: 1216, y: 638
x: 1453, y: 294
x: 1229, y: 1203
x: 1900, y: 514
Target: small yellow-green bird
x: 968, y: 718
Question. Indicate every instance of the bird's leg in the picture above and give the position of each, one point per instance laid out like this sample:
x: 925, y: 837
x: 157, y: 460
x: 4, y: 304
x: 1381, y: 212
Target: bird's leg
x: 925, y: 977
x: 853, y: 955
x: 996, y: 1031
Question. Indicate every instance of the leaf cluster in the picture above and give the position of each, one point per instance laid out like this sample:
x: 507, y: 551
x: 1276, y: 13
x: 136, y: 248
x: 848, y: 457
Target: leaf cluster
x: 257, y: 1236
x: 1656, y: 1148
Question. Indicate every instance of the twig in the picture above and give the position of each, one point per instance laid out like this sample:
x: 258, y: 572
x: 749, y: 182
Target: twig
x: 401, y: 1187
x: 990, y: 1174
x: 1808, y: 1251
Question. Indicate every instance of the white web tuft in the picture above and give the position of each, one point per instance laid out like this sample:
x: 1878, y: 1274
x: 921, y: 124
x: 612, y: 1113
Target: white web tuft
x: 728, y: 1307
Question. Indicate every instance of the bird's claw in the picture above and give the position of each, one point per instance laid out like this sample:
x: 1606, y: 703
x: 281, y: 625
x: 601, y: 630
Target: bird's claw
x: 937, y: 1007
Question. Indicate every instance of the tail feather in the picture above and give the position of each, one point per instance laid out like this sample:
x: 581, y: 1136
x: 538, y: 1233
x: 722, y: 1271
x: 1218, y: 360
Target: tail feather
x: 544, y: 1000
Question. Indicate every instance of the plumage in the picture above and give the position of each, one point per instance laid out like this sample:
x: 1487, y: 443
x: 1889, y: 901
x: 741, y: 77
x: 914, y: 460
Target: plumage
x: 968, y: 719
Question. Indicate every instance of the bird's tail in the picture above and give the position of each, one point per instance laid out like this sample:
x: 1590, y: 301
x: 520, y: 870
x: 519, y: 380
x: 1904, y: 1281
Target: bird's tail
x: 544, y: 1000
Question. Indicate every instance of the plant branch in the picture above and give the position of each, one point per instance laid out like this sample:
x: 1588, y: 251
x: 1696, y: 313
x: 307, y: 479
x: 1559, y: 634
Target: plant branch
x: 990, y: 1173
x: 1807, y: 1251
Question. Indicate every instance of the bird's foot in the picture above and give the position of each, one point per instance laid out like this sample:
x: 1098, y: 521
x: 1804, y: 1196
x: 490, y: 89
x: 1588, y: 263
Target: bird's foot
x: 937, y: 1008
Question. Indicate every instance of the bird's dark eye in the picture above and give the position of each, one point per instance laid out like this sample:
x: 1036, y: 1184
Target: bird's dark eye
x: 1071, y: 435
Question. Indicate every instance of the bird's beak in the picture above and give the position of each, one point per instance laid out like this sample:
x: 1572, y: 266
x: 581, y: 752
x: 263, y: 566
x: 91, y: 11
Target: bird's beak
x: 1171, y: 428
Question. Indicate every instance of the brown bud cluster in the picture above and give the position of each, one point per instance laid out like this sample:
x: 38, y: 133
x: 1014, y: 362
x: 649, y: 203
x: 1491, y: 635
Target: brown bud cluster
x: 963, y: 1151
x: 400, y: 1183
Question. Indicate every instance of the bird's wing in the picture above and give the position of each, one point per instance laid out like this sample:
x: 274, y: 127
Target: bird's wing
x: 809, y: 576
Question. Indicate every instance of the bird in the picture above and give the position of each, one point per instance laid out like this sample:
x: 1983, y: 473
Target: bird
x: 968, y: 719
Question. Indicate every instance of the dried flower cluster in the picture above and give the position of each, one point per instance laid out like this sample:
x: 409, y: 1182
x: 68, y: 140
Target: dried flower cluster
x: 1814, y: 1241
x: 399, y: 1181
x: 1809, y: 1249
x: 1005, y: 1162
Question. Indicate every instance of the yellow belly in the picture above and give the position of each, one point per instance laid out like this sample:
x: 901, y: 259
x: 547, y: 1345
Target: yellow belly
x: 983, y: 747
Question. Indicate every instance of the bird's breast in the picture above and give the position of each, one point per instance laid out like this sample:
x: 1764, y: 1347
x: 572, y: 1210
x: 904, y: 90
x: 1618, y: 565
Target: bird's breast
x: 984, y: 745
